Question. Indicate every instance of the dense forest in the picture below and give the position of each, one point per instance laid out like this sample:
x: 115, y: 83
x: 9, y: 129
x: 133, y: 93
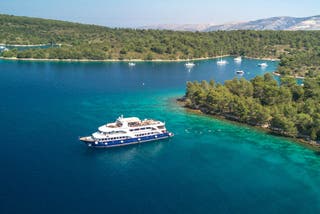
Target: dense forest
x: 301, y: 63
x: 286, y: 108
x: 299, y: 51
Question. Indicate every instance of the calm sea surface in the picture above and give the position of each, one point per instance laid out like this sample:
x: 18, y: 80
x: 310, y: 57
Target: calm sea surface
x: 209, y: 166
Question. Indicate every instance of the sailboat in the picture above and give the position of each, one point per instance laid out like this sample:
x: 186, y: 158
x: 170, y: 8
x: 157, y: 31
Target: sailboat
x: 189, y: 65
x: 221, y: 61
x: 238, y: 59
x: 131, y: 64
x: 263, y: 65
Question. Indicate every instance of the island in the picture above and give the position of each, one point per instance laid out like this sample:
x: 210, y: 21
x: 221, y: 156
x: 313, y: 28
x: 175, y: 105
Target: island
x: 286, y: 109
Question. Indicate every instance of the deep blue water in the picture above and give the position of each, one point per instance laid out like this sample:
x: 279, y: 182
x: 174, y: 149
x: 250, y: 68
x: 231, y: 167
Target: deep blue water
x: 210, y: 166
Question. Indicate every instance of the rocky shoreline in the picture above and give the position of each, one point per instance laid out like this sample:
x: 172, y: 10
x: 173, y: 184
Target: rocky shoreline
x: 264, y: 127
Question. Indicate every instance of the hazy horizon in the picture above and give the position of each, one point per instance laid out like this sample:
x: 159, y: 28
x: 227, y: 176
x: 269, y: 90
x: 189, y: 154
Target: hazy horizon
x: 125, y: 13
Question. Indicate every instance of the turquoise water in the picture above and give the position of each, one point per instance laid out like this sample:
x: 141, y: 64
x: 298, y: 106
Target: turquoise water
x: 210, y: 166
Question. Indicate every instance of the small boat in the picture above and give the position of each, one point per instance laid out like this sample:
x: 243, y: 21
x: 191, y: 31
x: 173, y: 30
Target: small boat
x: 189, y: 65
x: 263, y: 65
x: 238, y: 59
x: 240, y: 72
x: 126, y: 131
x: 131, y: 64
x: 221, y: 61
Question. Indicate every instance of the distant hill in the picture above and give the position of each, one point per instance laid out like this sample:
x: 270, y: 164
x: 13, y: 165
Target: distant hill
x: 274, y: 23
x: 177, y: 27
x: 91, y: 42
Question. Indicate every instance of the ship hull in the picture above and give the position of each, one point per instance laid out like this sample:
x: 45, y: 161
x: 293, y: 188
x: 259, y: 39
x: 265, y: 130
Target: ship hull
x: 116, y: 143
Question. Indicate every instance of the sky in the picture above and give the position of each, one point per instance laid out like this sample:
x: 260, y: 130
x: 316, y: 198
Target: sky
x: 126, y: 13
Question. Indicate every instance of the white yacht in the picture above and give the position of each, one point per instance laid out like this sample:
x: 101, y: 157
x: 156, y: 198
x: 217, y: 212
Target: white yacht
x: 189, y: 65
x: 238, y: 59
x: 131, y: 64
x: 126, y: 131
x: 221, y: 62
x: 263, y: 65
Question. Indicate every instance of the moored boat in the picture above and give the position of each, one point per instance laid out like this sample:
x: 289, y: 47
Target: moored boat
x: 221, y: 61
x: 3, y: 48
x: 238, y: 59
x: 263, y: 65
x: 240, y: 72
x: 126, y: 131
x: 189, y: 65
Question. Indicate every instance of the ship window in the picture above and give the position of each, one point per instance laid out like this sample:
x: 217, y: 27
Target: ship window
x: 160, y: 127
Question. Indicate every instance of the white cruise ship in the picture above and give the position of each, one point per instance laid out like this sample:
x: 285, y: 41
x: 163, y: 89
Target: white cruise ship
x: 126, y: 131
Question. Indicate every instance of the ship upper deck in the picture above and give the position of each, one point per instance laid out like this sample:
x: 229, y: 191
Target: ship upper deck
x: 124, y: 123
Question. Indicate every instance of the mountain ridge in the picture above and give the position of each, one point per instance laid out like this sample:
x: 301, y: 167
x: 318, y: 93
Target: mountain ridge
x: 272, y: 23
